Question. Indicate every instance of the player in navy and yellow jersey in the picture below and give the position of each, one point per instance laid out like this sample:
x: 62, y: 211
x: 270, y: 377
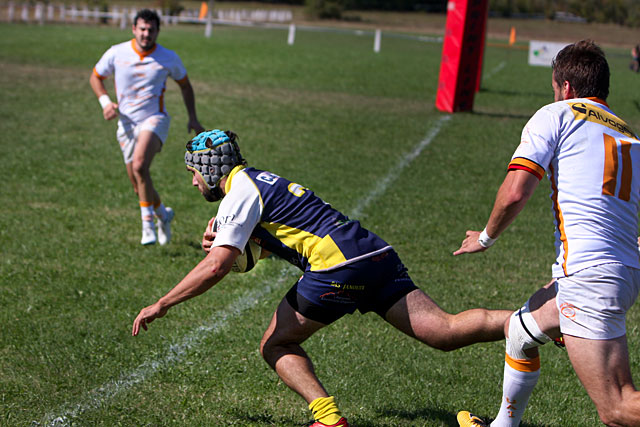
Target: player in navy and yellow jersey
x: 591, y: 157
x: 345, y: 267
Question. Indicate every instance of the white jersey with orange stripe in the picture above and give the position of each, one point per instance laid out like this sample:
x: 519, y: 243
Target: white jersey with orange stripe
x: 140, y: 77
x: 589, y: 154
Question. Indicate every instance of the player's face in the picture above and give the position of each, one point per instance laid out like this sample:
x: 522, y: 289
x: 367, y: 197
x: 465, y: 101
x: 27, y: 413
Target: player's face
x: 145, y: 34
x: 197, y: 181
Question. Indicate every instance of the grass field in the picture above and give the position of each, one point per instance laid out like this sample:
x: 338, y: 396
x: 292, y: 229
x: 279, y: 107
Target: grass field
x: 358, y: 128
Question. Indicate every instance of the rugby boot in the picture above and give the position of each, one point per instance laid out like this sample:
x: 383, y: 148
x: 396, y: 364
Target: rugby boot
x: 342, y: 422
x: 467, y: 419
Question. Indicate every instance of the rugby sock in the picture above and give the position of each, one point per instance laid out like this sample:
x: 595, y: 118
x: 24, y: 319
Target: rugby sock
x: 520, y: 378
x: 161, y: 211
x: 325, y: 410
x: 146, y: 213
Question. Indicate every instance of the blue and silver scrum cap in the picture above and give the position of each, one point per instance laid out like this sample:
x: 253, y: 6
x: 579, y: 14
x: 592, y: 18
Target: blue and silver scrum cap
x: 213, y: 154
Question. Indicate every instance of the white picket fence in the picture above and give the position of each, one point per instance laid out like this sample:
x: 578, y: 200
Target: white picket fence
x: 41, y: 13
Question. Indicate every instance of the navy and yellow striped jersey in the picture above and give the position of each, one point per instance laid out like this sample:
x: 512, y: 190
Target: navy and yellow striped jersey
x: 298, y: 226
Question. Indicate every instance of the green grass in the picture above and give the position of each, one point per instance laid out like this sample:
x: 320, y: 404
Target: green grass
x: 327, y: 113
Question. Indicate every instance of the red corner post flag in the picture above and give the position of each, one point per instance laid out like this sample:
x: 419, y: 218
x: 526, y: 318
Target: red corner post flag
x: 203, y: 10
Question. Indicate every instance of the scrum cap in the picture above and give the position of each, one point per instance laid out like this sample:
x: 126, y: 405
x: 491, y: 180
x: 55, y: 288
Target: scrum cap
x: 213, y: 154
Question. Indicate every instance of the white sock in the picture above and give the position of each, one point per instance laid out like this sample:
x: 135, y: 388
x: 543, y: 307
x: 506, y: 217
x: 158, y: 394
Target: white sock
x: 161, y: 212
x: 146, y: 213
x: 516, y: 390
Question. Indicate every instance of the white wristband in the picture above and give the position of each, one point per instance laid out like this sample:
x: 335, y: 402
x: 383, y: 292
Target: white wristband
x: 484, y: 239
x: 104, y: 100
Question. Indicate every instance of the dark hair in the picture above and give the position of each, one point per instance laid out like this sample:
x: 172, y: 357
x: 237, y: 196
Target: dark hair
x: 147, y: 15
x: 232, y: 135
x: 585, y: 67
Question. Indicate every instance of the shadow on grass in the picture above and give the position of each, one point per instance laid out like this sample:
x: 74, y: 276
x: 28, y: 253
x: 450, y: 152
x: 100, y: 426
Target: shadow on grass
x: 637, y: 104
x: 426, y: 416
x: 503, y: 115
x: 546, y: 96
x: 248, y: 418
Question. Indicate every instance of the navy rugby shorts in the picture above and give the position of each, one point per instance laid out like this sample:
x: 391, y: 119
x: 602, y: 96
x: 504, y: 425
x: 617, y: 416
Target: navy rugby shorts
x: 372, y: 284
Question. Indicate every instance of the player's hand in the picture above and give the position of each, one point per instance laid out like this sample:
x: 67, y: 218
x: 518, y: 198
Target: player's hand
x: 147, y: 315
x: 194, y: 125
x: 110, y: 112
x: 208, y: 236
x: 470, y: 244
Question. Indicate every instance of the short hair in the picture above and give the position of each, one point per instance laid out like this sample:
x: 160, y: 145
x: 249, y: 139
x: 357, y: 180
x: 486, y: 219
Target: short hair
x: 147, y: 15
x: 585, y: 67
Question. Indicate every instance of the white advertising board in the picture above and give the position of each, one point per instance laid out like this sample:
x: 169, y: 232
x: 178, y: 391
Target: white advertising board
x: 542, y: 53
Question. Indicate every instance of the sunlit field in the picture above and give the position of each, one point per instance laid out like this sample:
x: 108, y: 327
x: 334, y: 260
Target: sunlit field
x: 360, y: 129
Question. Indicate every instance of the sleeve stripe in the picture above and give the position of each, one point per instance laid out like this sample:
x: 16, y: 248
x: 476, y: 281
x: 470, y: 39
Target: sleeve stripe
x: 98, y: 74
x: 527, y: 165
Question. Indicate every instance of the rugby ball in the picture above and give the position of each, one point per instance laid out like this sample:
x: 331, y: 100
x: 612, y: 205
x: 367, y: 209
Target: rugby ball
x: 247, y: 259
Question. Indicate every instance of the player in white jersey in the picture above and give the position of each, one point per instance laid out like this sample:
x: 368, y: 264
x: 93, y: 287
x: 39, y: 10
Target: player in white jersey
x: 140, y: 68
x: 588, y: 154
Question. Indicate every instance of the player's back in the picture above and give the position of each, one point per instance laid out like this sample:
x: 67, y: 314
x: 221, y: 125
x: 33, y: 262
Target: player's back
x: 594, y: 190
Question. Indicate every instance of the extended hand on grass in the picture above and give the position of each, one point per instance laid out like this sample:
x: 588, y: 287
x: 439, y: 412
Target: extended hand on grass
x: 470, y: 244
x: 147, y: 315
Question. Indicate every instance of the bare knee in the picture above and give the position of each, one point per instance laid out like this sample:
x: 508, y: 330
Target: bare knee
x: 610, y: 415
x: 139, y: 169
x: 620, y: 412
x: 440, y: 334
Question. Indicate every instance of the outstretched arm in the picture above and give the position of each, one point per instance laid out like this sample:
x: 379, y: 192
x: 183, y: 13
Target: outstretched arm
x: 109, y: 109
x: 513, y: 195
x: 189, y: 99
x: 205, y: 275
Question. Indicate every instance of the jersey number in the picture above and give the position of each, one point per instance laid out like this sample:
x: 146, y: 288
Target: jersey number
x: 610, y: 179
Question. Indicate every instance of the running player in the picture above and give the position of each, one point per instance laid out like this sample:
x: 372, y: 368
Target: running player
x: 589, y: 154
x: 140, y: 68
x: 345, y: 266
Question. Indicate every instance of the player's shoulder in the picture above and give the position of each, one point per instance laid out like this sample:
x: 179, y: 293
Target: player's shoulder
x: 123, y: 46
x: 165, y: 51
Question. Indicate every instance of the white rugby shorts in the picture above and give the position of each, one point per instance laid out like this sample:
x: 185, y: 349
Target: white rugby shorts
x: 593, y: 302
x: 128, y: 131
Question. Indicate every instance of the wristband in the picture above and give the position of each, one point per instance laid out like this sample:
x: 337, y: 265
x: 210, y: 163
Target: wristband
x: 484, y: 239
x: 104, y: 100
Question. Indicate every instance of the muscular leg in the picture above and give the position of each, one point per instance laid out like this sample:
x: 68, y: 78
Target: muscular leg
x: 603, y: 369
x: 281, y: 349
x: 418, y: 316
x: 146, y: 148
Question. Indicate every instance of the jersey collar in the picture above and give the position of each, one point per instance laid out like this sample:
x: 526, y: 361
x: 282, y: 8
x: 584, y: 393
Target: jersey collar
x: 144, y: 53
x: 227, y: 185
x: 598, y: 100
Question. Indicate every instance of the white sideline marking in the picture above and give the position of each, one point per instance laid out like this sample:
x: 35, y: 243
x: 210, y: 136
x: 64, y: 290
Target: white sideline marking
x: 384, y: 183
x: 220, y: 320
x: 175, y: 353
x: 496, y: 69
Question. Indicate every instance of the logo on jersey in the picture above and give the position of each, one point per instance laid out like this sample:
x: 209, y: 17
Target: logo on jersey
x: 221, y: 221
x: 593, y: 114
x: 267, y: 178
